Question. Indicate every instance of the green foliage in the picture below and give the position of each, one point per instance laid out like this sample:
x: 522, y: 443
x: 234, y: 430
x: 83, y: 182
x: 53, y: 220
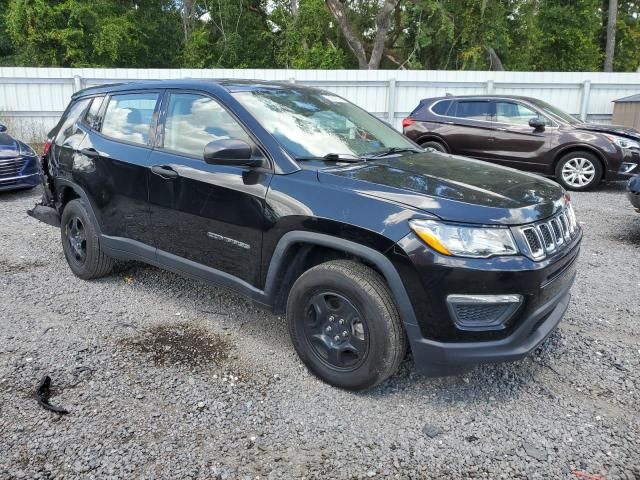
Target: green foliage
x: 536, y: 35
x: 234, y: 34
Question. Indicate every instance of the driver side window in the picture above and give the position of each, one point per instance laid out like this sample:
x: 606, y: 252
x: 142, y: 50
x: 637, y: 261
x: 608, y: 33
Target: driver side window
x: 194, y: 120
x: 515, y: 113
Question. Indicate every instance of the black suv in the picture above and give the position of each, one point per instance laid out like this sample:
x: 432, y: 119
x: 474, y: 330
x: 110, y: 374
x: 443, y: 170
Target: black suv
x: 309, y: 205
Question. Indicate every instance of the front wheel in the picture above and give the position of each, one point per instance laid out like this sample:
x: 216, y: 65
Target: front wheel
x: 344, y: 325
x: 579, y: 171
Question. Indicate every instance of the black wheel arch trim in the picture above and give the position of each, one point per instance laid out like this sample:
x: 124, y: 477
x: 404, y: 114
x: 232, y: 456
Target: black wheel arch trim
x: 84, y: 197
x: 375, y: 257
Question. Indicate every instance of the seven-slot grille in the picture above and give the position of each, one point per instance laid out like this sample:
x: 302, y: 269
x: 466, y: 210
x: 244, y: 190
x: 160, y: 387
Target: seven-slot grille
x: 547, y: 237
x: 10, y: 167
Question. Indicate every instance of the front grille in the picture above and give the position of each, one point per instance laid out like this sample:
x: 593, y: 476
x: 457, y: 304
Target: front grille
x: 549, y: 236
x: 10, y: 167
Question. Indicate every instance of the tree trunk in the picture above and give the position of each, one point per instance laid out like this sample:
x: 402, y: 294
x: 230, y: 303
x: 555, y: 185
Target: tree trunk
x: 383, y: 22
x: 495, y: 63
x: 611, y: 35
x: 337, y: 9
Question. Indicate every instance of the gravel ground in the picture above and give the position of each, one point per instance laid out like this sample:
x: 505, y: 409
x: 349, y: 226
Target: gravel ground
x: 167, y: 377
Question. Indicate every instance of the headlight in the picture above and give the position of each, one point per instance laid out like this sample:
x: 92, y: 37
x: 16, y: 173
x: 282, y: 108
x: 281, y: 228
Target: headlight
x: 26, y: 150
x: 473, y: 242
x: 623, y: 142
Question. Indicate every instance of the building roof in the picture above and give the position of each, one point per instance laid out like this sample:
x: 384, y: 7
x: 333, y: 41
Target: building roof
x: 630, y: 99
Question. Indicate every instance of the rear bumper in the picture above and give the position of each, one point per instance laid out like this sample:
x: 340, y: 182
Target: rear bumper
x: 448, y: 358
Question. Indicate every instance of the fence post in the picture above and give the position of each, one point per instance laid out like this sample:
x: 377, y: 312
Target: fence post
x: 391, y: 102
x: 584, y: 104
x: 77, y: 83
x: 490, y: 87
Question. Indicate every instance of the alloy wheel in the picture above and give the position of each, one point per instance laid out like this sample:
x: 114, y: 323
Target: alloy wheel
x: 76, y: 236
x: 336, y: 331
x: 578, y: 172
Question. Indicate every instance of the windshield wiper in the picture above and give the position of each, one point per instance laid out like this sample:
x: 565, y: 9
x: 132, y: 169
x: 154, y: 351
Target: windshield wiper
x: 391, y: 151
x: 334, y: 157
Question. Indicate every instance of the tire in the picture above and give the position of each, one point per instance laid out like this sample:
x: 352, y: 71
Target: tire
x: 437, y: 146
x: 81, y: 244
x: 579, y: 171
x: 359, y: 312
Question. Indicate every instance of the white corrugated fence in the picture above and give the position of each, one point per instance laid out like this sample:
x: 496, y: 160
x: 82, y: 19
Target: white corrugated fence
x: 32, y: 99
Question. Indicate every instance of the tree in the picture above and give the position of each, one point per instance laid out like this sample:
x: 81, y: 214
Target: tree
x: 355, y: 41
x: 611, y: 35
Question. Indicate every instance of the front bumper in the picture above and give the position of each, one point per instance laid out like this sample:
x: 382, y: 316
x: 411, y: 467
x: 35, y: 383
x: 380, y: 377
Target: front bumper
x: 19, y: 172
x: 19, y: 181
x: 633, y: 192
x: 448, y: 358
x: 441, y: 346
x: 628, y: 166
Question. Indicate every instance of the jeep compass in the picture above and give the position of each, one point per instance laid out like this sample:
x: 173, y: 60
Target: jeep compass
x: 312, y: 207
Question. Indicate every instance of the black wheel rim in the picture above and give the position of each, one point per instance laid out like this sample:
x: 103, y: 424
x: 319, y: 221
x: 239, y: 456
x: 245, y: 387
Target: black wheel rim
x: 77, y: 239
x: 336, y: 331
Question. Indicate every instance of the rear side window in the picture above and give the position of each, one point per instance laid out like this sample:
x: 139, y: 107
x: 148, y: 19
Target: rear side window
x: 128, y: 117
x: 73, y: 114
x: 473, y: 110
x: 91, y: 117
x: 441, y: 107
x: 195, y: 120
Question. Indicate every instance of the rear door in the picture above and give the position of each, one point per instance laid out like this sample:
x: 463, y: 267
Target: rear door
x: 212, y: 215
x: 513, y: 142
x: 114, y: 164
x: 471, y: 128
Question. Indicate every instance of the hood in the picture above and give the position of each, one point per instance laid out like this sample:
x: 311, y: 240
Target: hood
x: 612, y: 129
x: 453, y: 188
x: 8, y: 146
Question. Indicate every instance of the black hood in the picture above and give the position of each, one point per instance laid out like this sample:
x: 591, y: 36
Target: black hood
x: 612, y: 129
x: 454, y: 188
x: 8, y: 146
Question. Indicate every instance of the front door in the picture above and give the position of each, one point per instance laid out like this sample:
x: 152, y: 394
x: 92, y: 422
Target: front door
x: 513, y: 142
x: 204, y: 215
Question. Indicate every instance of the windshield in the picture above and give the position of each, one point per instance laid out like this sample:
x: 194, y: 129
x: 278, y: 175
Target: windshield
x: 315, y: 124
x: 558, y: 114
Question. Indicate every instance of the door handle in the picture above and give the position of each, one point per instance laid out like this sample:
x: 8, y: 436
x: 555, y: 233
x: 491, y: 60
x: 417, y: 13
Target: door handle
x: 89, y: 152
x: 165, y: 171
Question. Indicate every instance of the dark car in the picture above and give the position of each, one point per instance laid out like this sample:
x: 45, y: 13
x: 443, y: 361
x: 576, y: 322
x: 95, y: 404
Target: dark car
x: 526, y: 134
x: 18, y: 163
x: 311, y: 206
x: 633, y: 191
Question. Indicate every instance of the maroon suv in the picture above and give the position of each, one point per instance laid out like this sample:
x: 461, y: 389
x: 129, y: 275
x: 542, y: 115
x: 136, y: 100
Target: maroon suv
x: 527, y: 134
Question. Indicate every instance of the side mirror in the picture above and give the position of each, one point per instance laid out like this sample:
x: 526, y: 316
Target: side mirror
x: 537, y: 123
x: 2, y: 128
x: 230, y: 151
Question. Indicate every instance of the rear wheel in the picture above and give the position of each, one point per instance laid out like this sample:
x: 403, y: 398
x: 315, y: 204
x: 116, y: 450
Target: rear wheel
x: 437, y: 146
x: 579, y: 171
x: 81, y: 244
x: 344, y: 325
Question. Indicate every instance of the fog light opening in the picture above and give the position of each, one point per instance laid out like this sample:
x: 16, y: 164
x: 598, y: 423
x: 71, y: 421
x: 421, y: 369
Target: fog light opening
x: 483, y: 312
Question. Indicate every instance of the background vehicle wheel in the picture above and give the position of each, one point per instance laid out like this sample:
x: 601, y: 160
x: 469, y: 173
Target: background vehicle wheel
x: 435, y: 145
x: 81, y: 244
x: 344, y: 325
x: 579, y: 171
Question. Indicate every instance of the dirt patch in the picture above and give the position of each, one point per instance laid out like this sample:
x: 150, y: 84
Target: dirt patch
x: 180, y: 344
x: 7, y: 266
x: 629, y: 234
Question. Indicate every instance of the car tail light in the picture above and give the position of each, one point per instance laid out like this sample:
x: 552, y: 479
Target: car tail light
x: 47, y: 147
x: 406, y: 122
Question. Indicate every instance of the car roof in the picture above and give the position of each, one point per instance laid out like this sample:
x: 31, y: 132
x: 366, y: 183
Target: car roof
x: 228, y: 84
